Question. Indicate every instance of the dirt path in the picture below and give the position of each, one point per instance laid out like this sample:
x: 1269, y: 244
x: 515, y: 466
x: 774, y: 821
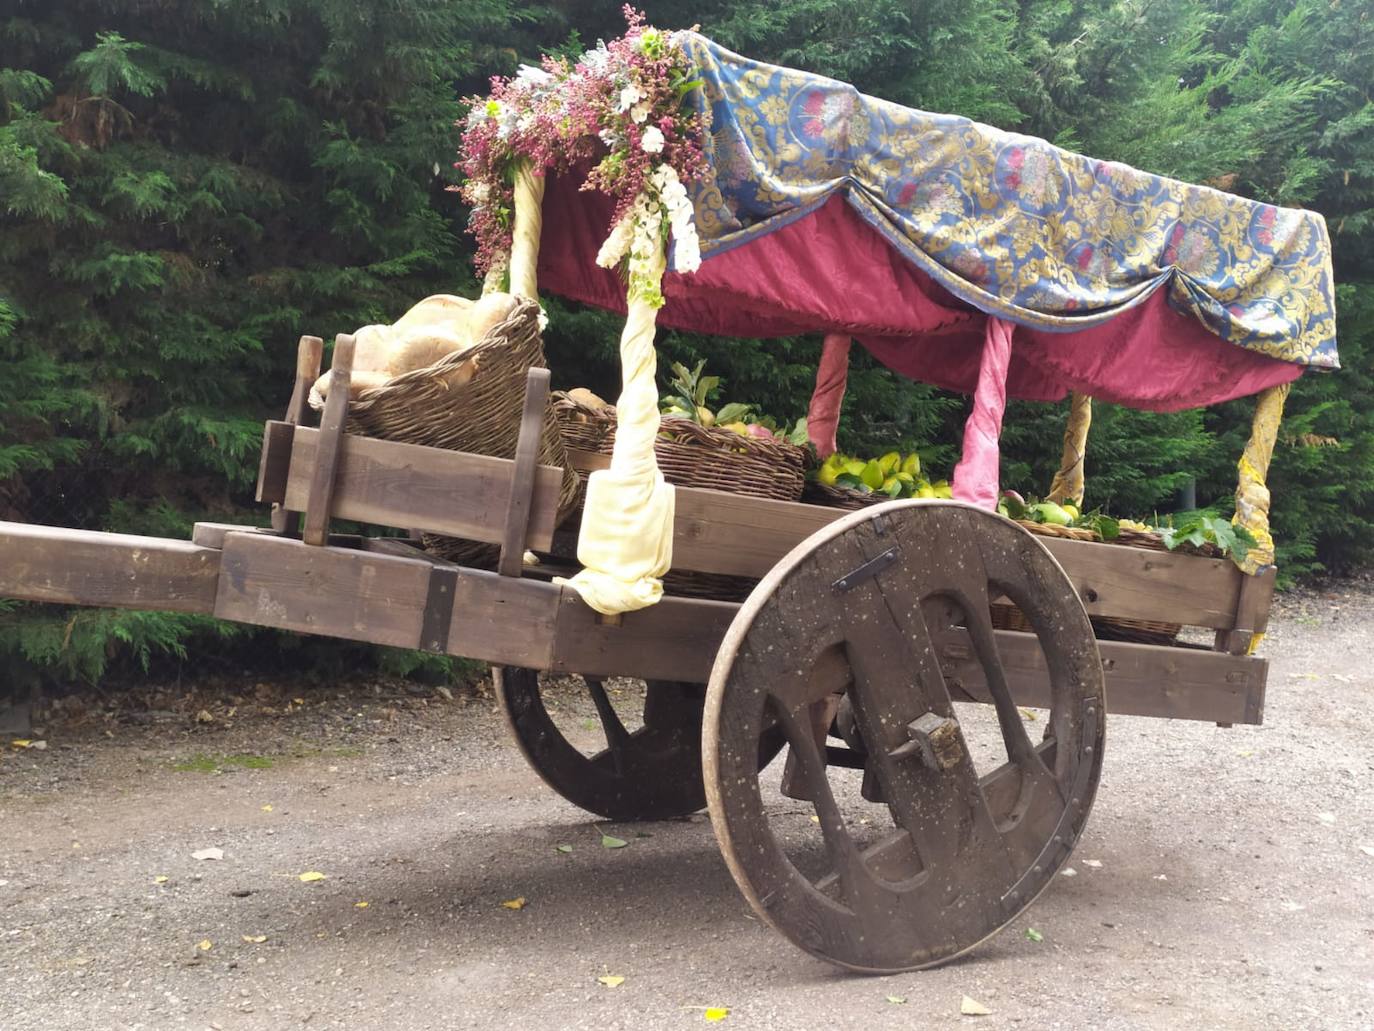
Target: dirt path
x: 1235, y: 886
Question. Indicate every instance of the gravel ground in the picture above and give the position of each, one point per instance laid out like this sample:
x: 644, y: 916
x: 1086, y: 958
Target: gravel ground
x: 1226, y: 878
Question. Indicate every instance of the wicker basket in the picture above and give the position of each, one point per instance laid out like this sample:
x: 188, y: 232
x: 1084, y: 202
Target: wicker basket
x: 1006, y: 616
x: 481, y: 416
x: 816, y: 493
x: 691, y: 455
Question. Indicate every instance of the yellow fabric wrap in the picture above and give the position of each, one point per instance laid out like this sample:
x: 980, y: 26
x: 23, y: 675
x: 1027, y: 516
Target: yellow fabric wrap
x: 1252, y: 495
x: 1068, y: 482
x: 626, y: 544
x: 529, y: 223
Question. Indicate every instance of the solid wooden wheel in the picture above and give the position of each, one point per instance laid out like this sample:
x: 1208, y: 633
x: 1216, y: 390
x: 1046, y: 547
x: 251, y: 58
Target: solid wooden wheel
x: 650, y: 773
x: 861, y: 612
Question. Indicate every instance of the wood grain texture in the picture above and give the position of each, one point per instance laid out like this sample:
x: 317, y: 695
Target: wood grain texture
x: 521, y: 491
x: 319, y: 499
x: 309, y: 354
x: 673, y: 640
x: 111, y: 570
x: 411, y: 486
x: 1142, y: 679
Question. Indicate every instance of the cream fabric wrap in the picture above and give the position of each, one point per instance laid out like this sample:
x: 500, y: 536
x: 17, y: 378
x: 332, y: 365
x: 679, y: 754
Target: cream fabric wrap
x: 529, y: 223
x: 1068, y: 482
x: 626, y: 544
x: 1252, y: 495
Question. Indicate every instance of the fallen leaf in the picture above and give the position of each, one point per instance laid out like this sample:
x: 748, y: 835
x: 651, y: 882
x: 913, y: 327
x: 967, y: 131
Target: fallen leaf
x: 611, y: 980
x: 1327, y: 818
x: 20, y: 742
x: 205, y: 945
x: 1244, y: 753
x: 1367, y: 849
x: 896, y: 1000
x: 160, y: 879
x: 1030, y: 715
x: 815, y: 818
x: 563, y: 848
x: 1161, y: 877
x: 518, y: 903
x: 1068, y: 871
x: 716, y: 1012
x: 444, y: 693
x: 1093, y: 864
x: 297, y: 701
x: 610, y: 841
x: 973, y: 1008
x: 360, y: 905
x: 1033, y: 935
x: 254, y: 939
x: 267, y: 808
x: 39, y: 746
x: 208, y: 853
x: 311, y: 875
x: 204, y: 716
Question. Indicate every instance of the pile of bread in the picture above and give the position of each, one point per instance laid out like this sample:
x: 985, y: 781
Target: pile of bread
x: 436, y: 327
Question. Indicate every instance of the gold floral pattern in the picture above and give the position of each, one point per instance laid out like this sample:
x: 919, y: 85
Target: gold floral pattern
x: 1013, y: 225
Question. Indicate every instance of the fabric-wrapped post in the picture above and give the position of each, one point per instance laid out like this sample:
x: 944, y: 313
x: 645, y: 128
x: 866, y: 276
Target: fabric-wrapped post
x: 529, y: 224
x: 626, y: 543
x: 823, y: 415
x: 1252, y: 494
x: 1068, y: 484
x: 976, y: 475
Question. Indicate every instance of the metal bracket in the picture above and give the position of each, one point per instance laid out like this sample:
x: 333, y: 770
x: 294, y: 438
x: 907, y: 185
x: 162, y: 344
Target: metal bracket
x: 869, y: 569
x: 443, y: 584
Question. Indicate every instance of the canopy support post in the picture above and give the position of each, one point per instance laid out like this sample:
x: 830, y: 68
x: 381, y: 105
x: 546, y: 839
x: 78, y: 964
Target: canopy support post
x: 1252, y: 493
x: 823, y: 414
x: 976, y: 475
x: 1068, y: 484
x: 529, y: 225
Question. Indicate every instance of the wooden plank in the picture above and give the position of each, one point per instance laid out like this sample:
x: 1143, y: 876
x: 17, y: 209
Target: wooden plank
x: 211, y: 535
x: 113, y: 570
x: 408, y: 485
x: 1140, y: 583
x: 504, y: 620
x: 273, y: 469
x: 1142, y: 679
x: 522, y: 473
x: 339, y: 592
x: 309, y: 354
x: 676, y: 639
x: 1252, y: 612
x: 321, y: 496
x: 716, y: 532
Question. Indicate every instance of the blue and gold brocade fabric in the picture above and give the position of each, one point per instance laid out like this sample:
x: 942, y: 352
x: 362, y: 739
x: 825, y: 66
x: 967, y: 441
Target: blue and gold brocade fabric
x: 1011, y: 224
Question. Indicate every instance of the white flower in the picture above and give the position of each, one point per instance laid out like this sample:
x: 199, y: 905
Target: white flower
x: 613, y: 250
x: 652, y: 140
x: 629, y: 97
x: 480, y: 192
x: 534, y: 77
x: 639, y: 114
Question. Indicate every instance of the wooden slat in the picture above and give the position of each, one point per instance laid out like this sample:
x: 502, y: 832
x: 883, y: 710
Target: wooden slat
x: 1140, y: 583
x: 717, y: 532
x: 526, y: 462
x: 673, y: 640
x: 273, y: 468
x: 309, y: 353
x: 339, y: 592
x: 407, y: 485
x: 211, y: 535
x: 1252, y: 612
x: 1142, y: 679
x: 320, y: 499
x: 112, y: 570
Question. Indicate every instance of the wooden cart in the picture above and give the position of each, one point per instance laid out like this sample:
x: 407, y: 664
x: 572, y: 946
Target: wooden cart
x: 865, y: 630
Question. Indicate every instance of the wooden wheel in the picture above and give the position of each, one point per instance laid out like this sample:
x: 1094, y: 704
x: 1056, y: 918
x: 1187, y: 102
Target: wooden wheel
x: 861, y: 612
x: 650, y: 773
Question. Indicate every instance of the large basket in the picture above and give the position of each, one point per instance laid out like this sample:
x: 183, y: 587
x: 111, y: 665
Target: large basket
x: 691, y: 455
x: 481, y: 416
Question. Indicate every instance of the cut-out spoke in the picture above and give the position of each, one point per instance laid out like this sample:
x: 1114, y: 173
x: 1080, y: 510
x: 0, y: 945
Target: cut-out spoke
x: 616, y: 734
x: 860, y: 889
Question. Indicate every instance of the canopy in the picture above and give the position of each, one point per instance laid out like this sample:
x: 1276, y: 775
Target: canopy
x: 827, y: 211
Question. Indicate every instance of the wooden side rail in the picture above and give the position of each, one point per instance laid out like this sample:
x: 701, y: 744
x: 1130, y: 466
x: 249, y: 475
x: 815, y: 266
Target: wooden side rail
x: 111, y: 570
x: 386, y: 591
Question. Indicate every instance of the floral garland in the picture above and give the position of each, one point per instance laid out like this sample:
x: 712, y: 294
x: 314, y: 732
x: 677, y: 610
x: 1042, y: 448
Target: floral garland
x: 622, y: 105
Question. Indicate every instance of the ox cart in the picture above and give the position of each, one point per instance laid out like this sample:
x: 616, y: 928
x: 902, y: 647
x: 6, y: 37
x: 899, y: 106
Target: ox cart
x: 867, y: 630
